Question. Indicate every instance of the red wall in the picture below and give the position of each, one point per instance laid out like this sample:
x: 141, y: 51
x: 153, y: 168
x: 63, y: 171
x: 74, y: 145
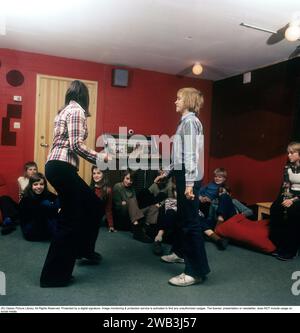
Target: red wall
x: 251, y: 181
x: 252, y: 125
x: 146, y: 105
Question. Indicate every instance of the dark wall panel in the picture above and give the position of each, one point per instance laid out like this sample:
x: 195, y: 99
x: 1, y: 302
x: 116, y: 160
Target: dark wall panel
x: 257, y: 119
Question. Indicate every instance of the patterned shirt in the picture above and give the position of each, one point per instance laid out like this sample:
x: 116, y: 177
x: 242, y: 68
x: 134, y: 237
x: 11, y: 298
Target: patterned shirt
x: 292, y: 178
x: 188, y: 149
x: 70, y: 131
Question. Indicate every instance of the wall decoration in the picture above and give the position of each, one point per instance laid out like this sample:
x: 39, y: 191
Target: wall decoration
x: 9, y: 138
x: 120, y: 78
x: 15, y: 78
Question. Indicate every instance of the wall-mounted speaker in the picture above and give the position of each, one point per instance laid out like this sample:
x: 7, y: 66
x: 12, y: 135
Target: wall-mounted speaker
x: 120, y: 77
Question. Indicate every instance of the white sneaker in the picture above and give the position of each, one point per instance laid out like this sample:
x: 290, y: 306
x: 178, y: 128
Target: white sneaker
x: 184, y: 280
x: 172, y: 258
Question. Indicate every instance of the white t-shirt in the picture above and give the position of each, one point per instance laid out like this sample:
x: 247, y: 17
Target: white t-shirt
x: 22, y: 182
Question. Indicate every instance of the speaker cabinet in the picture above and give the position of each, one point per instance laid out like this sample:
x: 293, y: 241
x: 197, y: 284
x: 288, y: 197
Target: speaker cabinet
x: 120, y: 78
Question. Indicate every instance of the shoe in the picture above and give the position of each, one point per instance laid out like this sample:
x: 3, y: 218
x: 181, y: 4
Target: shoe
x: 285, y: 257
x: 7, y: 229
x: 140, y: 234
x: 8, y: 226
x: 93, y: 258
x: 222, y: 244
x: 172, y: 258
x: 157, y: 248
x: 206, y: 238
x: 275, y: 254
x: 93, y: 255
x: 184, y: 280
x: 57, y: 284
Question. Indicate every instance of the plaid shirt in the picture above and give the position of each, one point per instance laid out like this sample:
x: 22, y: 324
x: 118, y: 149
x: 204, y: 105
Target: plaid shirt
x: 70, y: 131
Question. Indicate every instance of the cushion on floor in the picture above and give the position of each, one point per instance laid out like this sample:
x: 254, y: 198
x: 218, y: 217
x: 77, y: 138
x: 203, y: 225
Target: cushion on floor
x: 254, y: 234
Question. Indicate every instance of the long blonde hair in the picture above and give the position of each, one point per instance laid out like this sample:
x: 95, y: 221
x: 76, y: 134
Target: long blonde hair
x: 192, y: 99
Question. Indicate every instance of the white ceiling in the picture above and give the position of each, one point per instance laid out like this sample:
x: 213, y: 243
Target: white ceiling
x: 160, y: 35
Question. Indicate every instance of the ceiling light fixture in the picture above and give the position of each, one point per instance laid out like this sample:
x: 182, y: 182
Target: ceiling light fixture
x: 292, y: 33
x: 197, y: 68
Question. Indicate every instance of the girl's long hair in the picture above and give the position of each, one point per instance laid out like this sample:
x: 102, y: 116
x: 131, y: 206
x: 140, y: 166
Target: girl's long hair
x: 28, y: 192
x: 79, y: 93
x: 103, y: 184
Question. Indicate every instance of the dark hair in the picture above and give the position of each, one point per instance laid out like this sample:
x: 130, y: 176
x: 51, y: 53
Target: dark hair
x: 104, y: 183
x: 126, y: 173
x: 35, y: 178
x: 79, y: 93
x: 28, y: 165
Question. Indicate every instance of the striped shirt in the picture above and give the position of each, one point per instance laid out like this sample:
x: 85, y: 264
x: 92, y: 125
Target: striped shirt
x: 70, y: 131
x: 188, y: 149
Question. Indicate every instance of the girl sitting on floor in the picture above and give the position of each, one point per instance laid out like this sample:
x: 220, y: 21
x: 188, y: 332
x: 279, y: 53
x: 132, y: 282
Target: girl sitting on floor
x: 99, y: 184
x: 38, y: 210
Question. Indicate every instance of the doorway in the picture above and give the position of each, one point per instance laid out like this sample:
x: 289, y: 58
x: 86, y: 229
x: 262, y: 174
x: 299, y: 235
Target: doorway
x: 50, y: 97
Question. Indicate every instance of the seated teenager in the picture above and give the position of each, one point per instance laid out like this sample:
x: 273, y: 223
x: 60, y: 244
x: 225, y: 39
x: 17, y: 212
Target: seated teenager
x: 30, y: 168
x: 10, y: 214
x: 285, y: 210
x: 99, y: 184
x: 127, y: 214
x: 208, y: 196
x: 38, y: 210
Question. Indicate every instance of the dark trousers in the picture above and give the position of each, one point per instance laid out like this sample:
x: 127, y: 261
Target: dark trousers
x: 43, y: 229
x: 226, y: 207
x: 285, y: 226
x: 78, y: 227
x: 121, y: 219
x: 9, y: 208
x: 190, y: 236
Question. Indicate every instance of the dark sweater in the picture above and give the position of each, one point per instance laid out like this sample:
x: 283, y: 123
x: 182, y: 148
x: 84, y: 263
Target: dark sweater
x: 36, y: 213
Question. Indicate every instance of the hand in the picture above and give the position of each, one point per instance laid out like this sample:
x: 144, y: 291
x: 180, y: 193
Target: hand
x: 287, y: 203
x: 103, y: 156
x: 159, y: 178
x: 189, y: 193
x: 204, y: 199
x: 124, y: 203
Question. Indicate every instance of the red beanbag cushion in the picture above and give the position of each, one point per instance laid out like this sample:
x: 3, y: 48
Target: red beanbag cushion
x: 254, y: 234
